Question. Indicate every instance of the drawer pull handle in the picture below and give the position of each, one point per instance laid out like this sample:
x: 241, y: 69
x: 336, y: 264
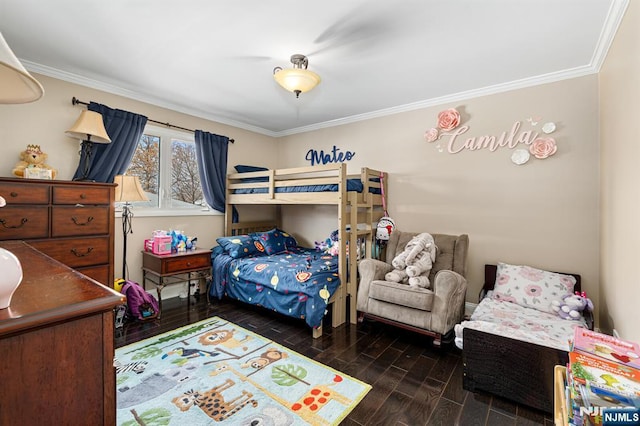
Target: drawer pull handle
x: 22, y: 222
x: 83, y: 196
x: 188, y: 263
x: 75, y: 220
x: 74, y: 251
x: 14, y: 194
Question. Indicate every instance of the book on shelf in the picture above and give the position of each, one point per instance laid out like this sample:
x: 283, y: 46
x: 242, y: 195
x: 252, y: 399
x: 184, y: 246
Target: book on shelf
x: 602, y: 375
x: 605, y: 381
x: 608, y: 347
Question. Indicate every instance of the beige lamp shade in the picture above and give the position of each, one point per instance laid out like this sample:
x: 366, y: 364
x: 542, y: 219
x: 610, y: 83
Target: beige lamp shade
x: 17, y: 86
x: 129, y: 189
x: 89, y: 126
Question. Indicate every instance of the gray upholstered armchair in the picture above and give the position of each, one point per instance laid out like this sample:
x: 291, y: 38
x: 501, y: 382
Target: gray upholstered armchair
x: 434, y: 311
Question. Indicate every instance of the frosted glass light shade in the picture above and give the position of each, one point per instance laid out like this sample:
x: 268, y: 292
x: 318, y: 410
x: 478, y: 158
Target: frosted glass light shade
x: 297, y: 80
x: 10, y: 278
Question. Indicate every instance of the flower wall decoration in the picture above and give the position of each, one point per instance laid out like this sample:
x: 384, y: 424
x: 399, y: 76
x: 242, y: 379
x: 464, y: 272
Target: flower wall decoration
x: 543, y: 147
x: 537, y: 144
x: 431, y: 134
x: 448, y: 120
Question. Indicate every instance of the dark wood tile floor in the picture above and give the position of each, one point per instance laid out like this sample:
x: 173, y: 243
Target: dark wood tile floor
x: 413, y: 383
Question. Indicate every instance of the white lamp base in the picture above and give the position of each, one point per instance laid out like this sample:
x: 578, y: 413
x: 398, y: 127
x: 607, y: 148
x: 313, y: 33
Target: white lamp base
x: 10, y: 276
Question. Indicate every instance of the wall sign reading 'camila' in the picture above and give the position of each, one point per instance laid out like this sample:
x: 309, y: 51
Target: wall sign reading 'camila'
x: 448, y: 134
x: 334, y: 156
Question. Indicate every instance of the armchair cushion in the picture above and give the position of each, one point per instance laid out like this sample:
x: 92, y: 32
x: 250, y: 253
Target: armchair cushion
x: 401, y: 294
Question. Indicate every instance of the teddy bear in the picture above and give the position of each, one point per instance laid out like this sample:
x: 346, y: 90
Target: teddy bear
x: 572, y: 305
x: 414, y: 264
x: 33, y: 157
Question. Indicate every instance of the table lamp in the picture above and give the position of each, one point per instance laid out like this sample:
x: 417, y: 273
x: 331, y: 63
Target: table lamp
x: 89, y: 128
x: 127, y: 191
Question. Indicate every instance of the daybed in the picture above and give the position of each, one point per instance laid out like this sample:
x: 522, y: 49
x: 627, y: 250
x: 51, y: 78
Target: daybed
x: 510, y: 350
x: 358, y: 200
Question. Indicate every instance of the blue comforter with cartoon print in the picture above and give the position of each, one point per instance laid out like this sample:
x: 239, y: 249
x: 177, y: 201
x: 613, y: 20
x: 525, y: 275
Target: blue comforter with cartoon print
x: 297, y: 282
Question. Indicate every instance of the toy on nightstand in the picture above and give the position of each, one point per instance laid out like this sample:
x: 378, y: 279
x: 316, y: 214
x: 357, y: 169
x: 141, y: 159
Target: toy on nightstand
x: 32, y: 164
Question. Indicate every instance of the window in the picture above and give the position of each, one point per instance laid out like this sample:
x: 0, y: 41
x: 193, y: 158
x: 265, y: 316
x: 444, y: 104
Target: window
x: 165, y: 162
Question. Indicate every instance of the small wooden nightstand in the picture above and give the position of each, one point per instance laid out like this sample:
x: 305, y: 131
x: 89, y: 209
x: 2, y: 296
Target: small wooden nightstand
x: 164, y: 269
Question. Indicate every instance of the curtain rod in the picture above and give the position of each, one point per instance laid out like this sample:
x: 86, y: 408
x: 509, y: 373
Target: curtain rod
x: 76, y: 101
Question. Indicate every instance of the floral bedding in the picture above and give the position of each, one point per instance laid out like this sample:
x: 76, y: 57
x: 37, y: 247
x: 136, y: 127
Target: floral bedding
x: 517, y: 322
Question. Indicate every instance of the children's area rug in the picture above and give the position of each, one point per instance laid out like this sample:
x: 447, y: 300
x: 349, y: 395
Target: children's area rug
x: 214, y: 372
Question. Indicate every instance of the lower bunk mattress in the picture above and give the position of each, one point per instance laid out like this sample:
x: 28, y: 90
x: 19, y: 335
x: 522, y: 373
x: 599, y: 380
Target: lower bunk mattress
x: 298, y: 282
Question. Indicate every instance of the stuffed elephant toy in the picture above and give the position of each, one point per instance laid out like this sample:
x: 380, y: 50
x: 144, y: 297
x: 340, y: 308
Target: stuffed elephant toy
x: 414, y: 264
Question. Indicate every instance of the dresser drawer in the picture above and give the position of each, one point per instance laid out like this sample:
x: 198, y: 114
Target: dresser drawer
x: 17, y: 193
x: 187, y: 263
x: 80, y: 195
x: 99, y: 273
x: 76, y: 252
x: 24, y: 222
x: 73, y: 221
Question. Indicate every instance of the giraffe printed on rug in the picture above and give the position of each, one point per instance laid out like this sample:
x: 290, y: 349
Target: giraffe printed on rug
x: 212, y: 402
x: 316, y: 398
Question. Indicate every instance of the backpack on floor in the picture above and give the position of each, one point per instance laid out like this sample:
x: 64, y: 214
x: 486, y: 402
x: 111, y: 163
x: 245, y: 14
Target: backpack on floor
x: 141, y: 305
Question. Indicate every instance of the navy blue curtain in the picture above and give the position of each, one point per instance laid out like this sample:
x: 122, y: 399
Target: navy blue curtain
x: 124, y: 129
x: 211, y: 154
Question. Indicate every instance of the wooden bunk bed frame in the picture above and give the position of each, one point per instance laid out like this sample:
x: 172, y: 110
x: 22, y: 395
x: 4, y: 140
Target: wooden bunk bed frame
x: 353, y: 209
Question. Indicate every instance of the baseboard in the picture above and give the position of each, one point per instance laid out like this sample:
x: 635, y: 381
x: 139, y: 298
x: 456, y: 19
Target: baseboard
x: 173, y: 290
x: 469, y: 308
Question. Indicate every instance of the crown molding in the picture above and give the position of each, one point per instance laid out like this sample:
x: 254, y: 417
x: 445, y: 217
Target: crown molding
x: 131, y: 94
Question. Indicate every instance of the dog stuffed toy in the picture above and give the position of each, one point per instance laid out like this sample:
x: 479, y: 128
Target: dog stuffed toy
x: 414, y: 264
x: 572, y: 305
x: 32, y: 157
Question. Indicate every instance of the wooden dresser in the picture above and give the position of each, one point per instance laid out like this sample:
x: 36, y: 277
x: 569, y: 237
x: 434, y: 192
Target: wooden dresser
x: 73, y: 222
x: 57, y: 346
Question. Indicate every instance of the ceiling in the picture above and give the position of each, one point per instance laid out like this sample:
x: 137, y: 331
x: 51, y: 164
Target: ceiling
x: 215, y: 59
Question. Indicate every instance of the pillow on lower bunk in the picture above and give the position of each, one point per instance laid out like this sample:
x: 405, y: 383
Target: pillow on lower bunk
x: 275, y: 241
x: 239, y: 246
x: 531, y: 287
x: 241, y: 168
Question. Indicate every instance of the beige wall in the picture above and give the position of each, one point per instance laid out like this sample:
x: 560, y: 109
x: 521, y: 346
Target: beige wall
x: 544, y: 213
x: 45, y: 121
x: 620, y: 155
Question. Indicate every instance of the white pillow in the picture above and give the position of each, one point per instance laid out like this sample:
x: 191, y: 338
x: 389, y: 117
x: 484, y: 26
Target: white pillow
x: 531, y: 287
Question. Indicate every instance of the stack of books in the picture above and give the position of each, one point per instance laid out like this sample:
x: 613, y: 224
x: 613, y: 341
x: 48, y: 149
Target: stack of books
x: 603, y: 380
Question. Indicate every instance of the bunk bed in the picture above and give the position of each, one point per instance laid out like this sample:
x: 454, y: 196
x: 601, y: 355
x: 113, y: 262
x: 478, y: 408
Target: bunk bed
x: 358, y: 199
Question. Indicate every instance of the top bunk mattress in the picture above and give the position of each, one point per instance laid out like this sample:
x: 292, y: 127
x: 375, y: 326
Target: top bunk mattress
x: 353, y: 185
x: 517, y: 322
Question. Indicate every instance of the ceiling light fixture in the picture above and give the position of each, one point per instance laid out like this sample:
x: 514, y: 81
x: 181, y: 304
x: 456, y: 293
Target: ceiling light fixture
x: 297, y: 79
